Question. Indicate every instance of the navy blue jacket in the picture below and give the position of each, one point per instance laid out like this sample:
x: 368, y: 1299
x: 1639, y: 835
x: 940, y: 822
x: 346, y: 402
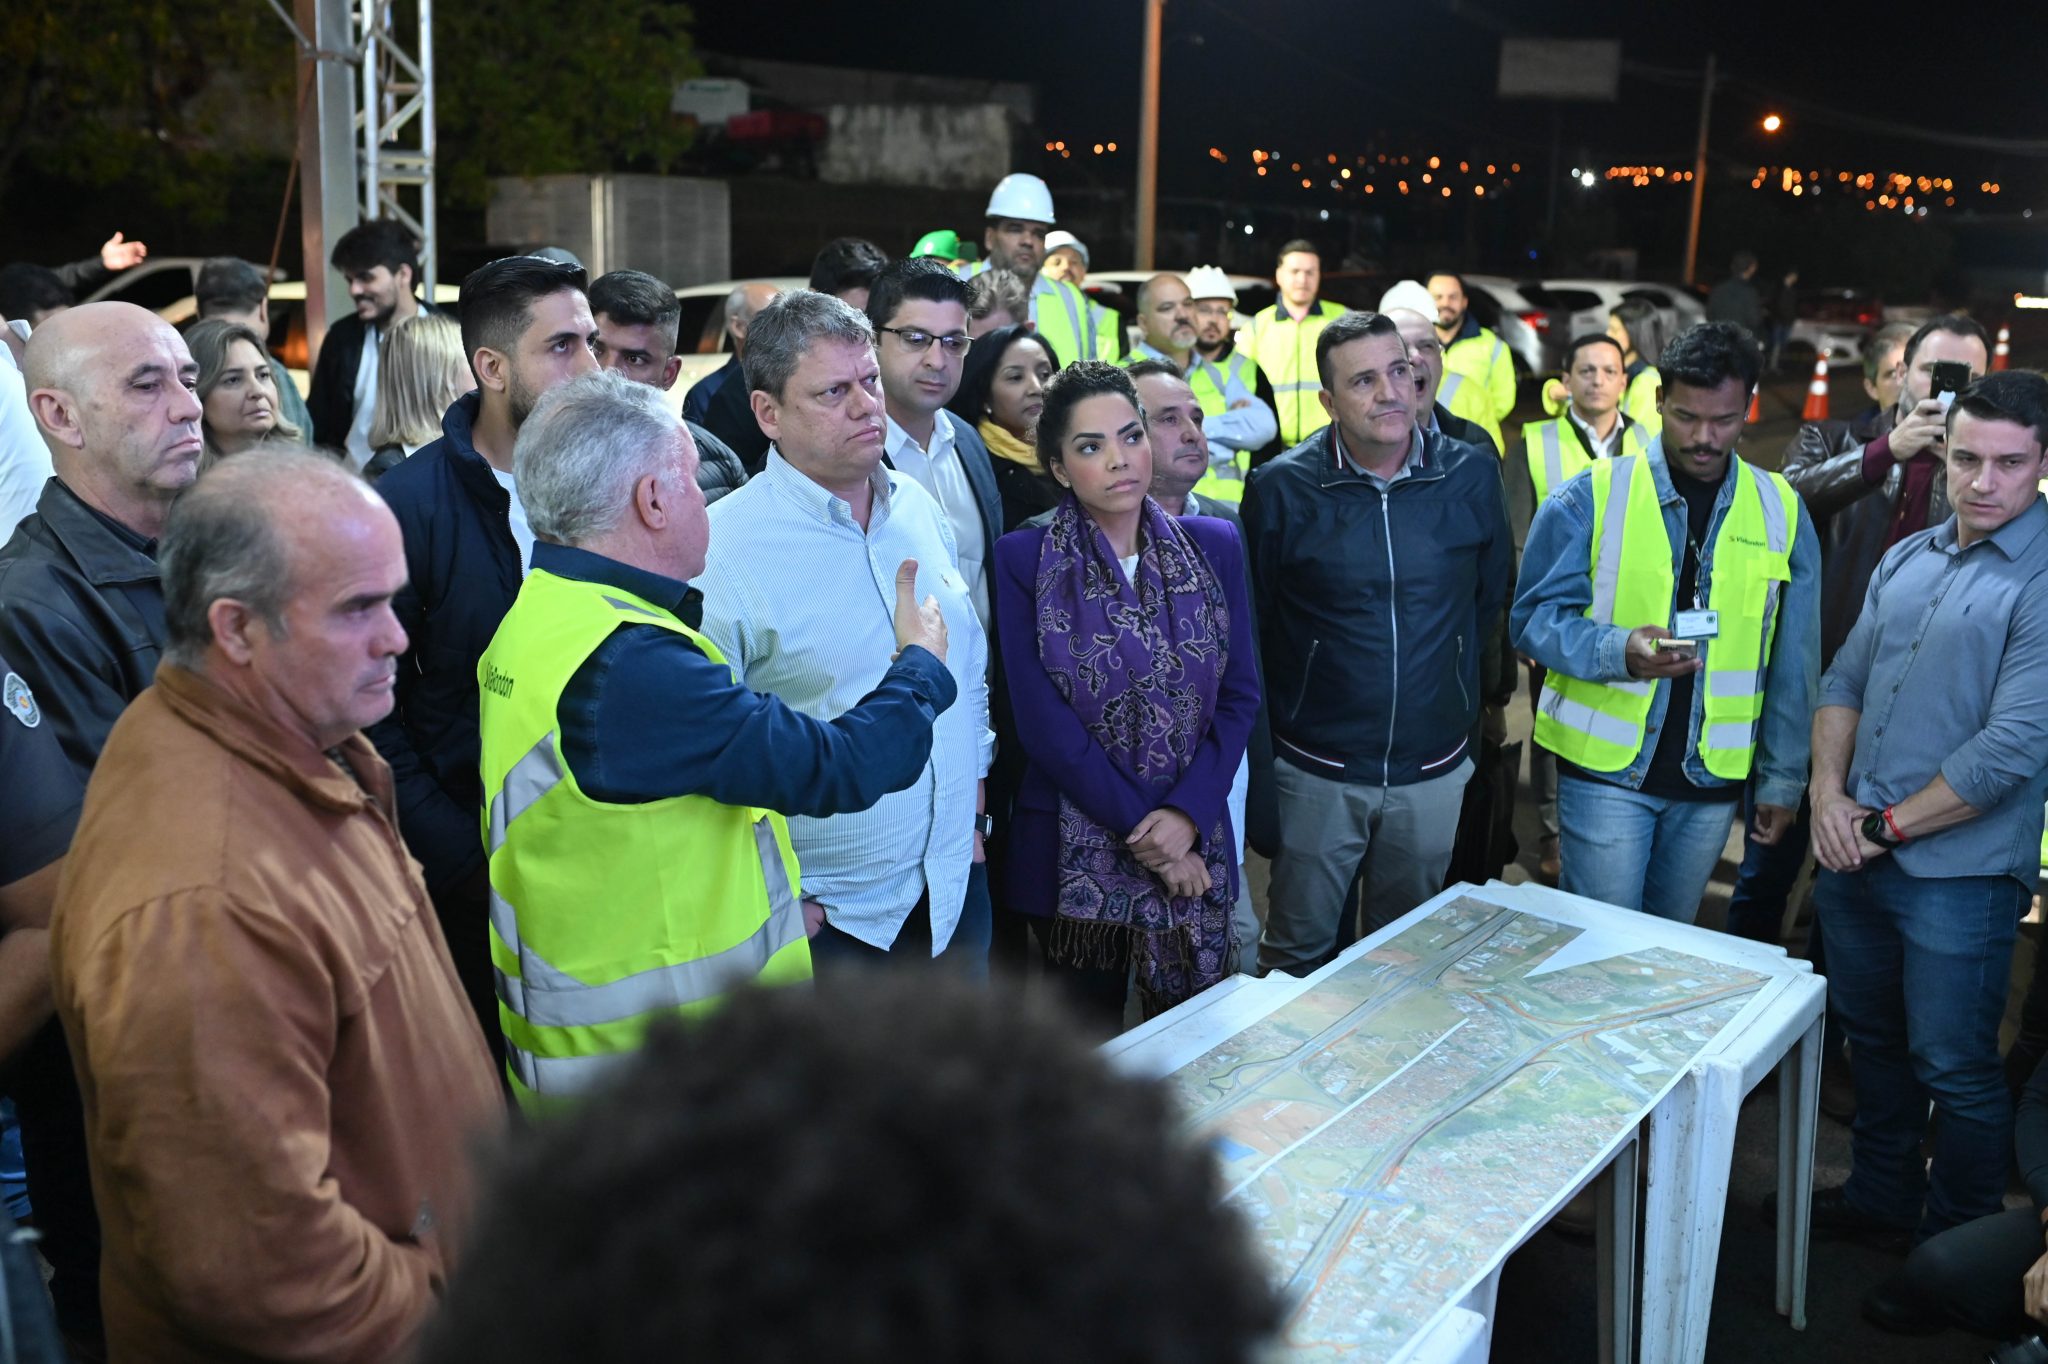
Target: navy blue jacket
x: 463, y: 566
x: 1374, y: 607
x: 649, y: 716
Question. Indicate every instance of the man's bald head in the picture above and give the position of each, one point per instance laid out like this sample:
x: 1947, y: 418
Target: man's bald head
x: 742, y: 304
x: 112, y: 389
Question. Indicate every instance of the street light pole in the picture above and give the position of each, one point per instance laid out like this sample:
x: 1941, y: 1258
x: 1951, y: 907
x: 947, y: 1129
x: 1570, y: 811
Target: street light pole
x: 1148, y: 137
x: 1699, y: 176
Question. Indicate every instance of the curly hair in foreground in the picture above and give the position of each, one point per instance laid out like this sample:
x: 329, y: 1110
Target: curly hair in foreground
x: 879, y: 1170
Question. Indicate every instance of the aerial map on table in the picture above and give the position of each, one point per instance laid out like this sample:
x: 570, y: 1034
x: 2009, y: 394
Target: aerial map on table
x: 1389, y: 1132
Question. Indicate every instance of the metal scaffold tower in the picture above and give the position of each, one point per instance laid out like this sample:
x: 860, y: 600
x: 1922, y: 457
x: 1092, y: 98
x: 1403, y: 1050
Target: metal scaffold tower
x: 366, y: 133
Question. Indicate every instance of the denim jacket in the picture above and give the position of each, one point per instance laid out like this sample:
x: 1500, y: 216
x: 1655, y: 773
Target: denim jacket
x: 1550, y: 625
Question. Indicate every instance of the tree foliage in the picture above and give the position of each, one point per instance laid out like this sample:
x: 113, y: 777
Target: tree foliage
x: 176, y: 101
x: 527, y: 87
x: 145, y: 94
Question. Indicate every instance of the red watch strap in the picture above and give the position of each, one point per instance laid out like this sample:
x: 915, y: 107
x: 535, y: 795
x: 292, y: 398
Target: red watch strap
x: 1893, y: 825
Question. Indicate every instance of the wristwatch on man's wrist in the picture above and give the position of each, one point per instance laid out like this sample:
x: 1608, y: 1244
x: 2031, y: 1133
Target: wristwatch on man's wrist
x: 985, y: 825
x: 1880, y: 830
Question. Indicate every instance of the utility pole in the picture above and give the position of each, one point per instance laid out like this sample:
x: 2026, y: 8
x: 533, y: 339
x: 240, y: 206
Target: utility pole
x: 1148, y: 137
x: 1699, y: 176
x: 327, y: 178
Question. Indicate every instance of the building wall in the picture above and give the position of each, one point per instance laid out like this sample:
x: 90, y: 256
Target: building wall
x: 935, y: 146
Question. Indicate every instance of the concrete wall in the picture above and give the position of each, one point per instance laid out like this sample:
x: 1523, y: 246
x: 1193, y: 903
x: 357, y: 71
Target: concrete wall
x: 936, y: 146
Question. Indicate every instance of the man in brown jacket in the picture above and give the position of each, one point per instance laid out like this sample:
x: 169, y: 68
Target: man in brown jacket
x: 280, y: 1072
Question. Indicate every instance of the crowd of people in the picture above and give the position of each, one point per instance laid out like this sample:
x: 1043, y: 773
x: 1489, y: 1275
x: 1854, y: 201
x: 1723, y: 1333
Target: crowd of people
x: 440, y: 738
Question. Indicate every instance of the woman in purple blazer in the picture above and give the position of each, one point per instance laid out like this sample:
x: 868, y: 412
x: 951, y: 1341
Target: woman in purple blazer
x: 1128, y: 657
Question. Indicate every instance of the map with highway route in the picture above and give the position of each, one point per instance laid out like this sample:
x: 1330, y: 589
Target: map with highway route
x: 1391, y: 1130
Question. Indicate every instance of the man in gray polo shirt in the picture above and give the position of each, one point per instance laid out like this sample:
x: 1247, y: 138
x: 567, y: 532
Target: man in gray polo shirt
x: 1928, y: 754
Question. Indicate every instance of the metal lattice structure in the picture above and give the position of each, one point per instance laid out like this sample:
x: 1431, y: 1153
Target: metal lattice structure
x: 396, y: 124
x: 366, y: 132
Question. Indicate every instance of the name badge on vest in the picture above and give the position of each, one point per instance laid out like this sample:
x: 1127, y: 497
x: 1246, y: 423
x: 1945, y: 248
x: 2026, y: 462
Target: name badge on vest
x: 1698, y: 625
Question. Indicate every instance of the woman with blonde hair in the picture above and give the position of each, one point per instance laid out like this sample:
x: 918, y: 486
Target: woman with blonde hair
x: 421, y: 372
x: 237, y: 390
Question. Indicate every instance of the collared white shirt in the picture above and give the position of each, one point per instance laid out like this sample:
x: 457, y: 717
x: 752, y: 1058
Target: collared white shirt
x: 1408, y: 466
x: 940, y: 472
x: 1602, y: 449
x: 802, y: 603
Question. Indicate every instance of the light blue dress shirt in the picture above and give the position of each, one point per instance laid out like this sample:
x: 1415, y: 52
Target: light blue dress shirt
x: 802, y: 603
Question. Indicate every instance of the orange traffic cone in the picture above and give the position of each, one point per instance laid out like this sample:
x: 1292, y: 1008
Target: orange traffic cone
x: 1756, y: 406
x: 1816, y: 409
x: 2001, y: 354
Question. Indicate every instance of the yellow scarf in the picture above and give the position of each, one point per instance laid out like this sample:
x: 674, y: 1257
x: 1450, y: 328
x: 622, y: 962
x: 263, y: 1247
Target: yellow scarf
x: 1003, y: 445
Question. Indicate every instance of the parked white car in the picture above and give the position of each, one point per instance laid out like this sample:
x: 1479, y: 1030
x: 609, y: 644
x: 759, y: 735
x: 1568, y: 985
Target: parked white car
x: 1523, y: 324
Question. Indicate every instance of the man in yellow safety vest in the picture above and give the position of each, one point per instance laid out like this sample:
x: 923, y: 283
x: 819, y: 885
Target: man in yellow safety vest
x: 1234, y: 419
x: 1674, y: 597
x: 1282, y: 341
x: 640, y: 866
x: 1019, y: 216
x: 1472, y: 353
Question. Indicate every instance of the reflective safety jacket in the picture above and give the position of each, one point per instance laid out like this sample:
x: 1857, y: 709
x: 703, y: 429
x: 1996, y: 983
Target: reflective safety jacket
x: 1556, y: 451
x: 1463, y: 397
x: 1480, y: 355
x: 1285, y: 352
x: 606, y: 917
x: 1601, y: 725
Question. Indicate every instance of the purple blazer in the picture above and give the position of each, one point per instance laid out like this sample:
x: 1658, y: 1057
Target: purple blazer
x: 1062, y: 758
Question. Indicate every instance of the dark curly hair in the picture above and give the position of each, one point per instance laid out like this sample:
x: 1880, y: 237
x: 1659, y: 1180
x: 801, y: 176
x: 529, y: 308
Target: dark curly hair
x: 978, y: 375
x: 1709, y: 354
x: 880, y: 1170
x: 1072, y: 386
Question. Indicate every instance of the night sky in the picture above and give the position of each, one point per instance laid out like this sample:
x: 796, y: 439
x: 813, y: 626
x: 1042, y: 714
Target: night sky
x: 1314, y: 76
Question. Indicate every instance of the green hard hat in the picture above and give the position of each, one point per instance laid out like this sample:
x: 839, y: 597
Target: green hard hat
x: 945, y: 244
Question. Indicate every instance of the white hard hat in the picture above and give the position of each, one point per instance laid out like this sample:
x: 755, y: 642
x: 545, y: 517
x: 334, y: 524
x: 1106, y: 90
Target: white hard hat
x: 1055, y: 240
x: 1206, y: 281
x: 1410, y: 295
x: 1023, y: 197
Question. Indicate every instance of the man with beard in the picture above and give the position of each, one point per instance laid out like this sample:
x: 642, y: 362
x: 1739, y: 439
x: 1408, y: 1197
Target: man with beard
x: 1019, y: 215
x: 1674, y: 597
x: 1472, y: 354
x: 526, y: 326
x: 1234, y: 419
x: 381, y: 262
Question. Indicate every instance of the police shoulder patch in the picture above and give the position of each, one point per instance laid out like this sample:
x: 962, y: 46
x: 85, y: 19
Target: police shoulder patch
x: 20, y: 701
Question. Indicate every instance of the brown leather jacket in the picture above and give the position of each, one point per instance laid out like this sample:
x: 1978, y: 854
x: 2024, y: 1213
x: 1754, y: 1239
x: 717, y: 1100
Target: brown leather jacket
x: 1824, y: 465
x: 281, y: 1076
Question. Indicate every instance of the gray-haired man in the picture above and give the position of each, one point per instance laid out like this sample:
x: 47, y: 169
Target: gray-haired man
x: 673, y: 763
x: 798, y: 586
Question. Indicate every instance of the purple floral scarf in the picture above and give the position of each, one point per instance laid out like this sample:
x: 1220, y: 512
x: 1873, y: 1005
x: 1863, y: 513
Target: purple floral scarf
x: 1140, y: 662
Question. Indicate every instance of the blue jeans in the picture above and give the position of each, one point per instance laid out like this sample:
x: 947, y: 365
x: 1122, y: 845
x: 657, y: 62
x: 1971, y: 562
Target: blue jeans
x: 1918, y: 973
x: 1757, y: 908
x: 1624, y: 848
x: 966, y: 953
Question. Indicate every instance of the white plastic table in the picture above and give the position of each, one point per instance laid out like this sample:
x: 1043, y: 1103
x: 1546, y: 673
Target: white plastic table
x: 1691, y: 1132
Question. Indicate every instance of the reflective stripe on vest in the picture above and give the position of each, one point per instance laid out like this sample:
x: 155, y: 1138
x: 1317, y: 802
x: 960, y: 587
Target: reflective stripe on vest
x: 1284, y: 350
x: 577, y: 988
x: 1601, y: 725
x: 1554, y: 461
x: 1079, y: 341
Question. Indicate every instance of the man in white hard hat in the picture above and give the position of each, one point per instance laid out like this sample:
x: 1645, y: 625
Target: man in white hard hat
x: 1212, y: 298
x: 1233, y: 419
x: 1019, y: 215
x: 1066, y: 260
x: 1451, y: 403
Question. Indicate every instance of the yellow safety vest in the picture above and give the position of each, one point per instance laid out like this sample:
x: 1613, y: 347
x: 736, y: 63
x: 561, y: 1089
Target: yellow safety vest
x: 1060, y: 313
x: 1484, y: 359
x: 1285, y: 352
x: 1601, y: 725
x: 607, y: 917
x: 1462, y: 397
x: 1556, y: 455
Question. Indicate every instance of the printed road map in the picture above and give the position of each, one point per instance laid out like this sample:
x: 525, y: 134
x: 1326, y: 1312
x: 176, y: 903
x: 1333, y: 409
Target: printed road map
x: 1392, y: 1130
